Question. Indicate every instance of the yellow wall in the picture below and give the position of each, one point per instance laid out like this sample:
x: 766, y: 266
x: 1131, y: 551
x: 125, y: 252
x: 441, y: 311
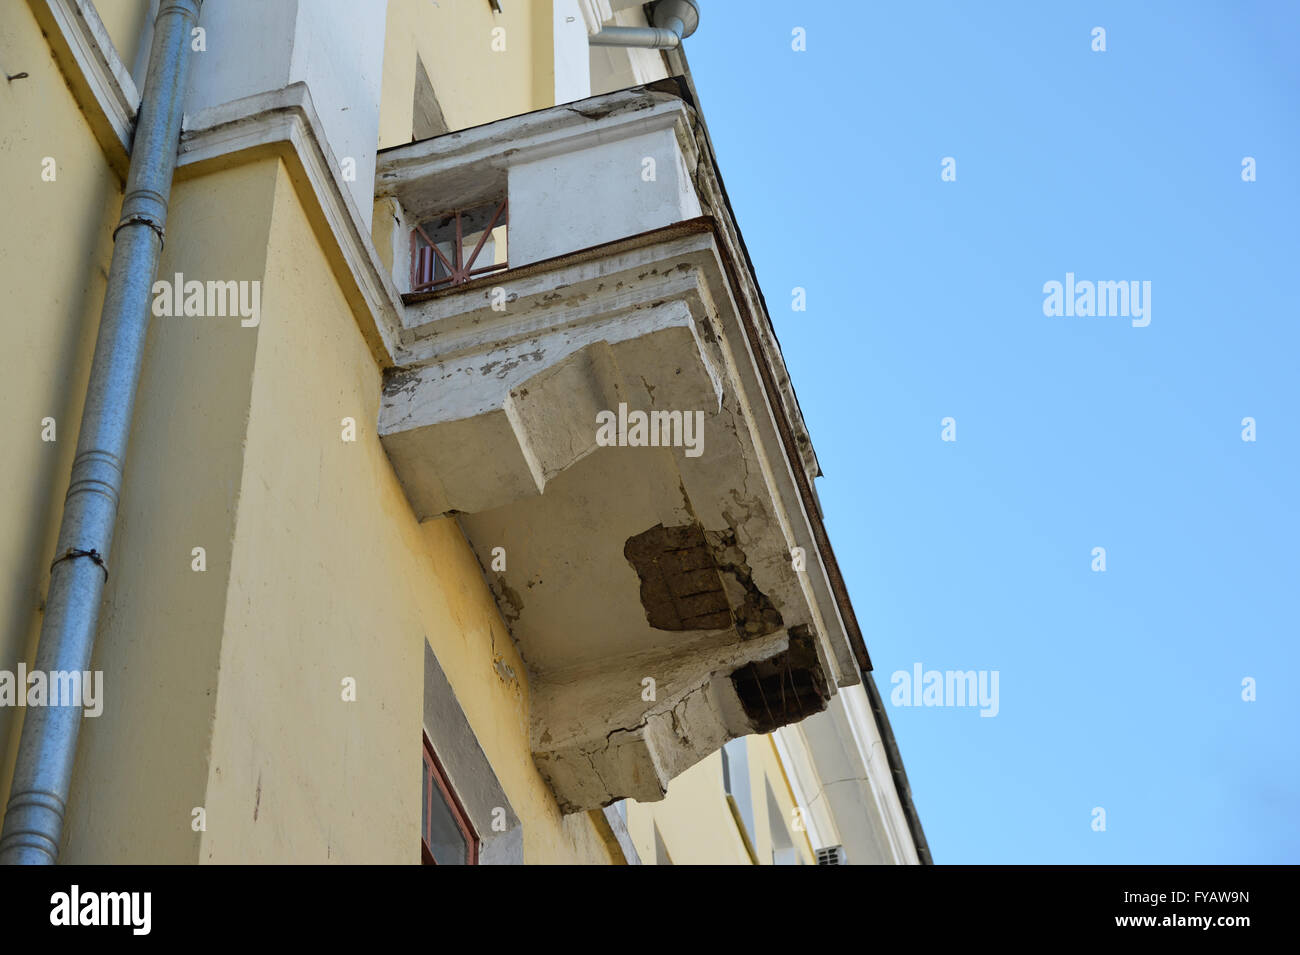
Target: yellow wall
x: 766, y: 770
x: 333, y: 577
x: 126, y: 22
x: 474, y: 84
x: 143, y: 765
x: 222, y: 688
x: 695, y: 820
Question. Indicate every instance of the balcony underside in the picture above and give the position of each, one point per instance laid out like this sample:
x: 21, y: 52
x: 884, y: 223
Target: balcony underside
x: 649, y: 581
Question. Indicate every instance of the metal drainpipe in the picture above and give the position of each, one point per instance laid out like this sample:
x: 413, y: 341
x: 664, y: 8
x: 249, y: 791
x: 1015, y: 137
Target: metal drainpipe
x: 674, y: 20
x: 39, y: 792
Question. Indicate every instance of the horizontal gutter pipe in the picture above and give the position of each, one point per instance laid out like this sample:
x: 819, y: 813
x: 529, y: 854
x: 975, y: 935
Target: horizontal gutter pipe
x: 38, y: 797
x: 650, y: 38
x: 674, y: 20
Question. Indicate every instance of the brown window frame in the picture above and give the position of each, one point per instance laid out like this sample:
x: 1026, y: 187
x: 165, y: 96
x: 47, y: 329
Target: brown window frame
x: 435, y: 773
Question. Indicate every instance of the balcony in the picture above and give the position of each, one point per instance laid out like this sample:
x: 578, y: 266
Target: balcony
x: 607, y: 414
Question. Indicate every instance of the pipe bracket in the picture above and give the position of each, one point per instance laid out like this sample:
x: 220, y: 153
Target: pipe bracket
x: 94, y: 555
x: 140, y: 218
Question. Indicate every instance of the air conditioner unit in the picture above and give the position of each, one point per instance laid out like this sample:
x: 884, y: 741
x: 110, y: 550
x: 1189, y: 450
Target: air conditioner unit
x: 832, y: 855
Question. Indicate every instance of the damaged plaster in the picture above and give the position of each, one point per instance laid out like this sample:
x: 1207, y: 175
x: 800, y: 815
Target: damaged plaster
x: 692, y: 579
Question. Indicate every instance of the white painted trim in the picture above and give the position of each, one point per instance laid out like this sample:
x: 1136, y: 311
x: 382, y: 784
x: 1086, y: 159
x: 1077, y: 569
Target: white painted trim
x: 852, y: 721
x: 594, y: 14
x: 871, y: 751
x: 463, y: 157
x: 793, y: 753
x: 647, y: 65
x: 621, y: 835
x: 287, y: 116
x: 96, y: 58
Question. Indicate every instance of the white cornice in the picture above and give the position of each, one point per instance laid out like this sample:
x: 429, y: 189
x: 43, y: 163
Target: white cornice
x: 805, y: 786
x: 864, y: 735
x: 621, y: 836
x: 426, y: 174
x: 594, y: 14
x: 847, y: 741
x: 286, y: 119
x: 98, y: 77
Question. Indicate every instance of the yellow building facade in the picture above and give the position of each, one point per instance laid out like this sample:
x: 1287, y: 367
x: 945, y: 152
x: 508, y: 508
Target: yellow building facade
x: 282, y: 628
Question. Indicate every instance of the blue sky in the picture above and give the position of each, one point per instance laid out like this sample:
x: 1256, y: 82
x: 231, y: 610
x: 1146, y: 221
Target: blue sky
x: 1119, y: 689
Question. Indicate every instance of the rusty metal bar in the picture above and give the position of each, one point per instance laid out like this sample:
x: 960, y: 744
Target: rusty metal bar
x: 483, y: 238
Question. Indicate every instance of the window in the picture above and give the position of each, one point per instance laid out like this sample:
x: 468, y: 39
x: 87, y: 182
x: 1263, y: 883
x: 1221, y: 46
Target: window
x: 447, y: 838
x: 459, y: 246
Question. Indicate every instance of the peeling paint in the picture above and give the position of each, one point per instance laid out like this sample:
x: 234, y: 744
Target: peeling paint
x: 512, y: 605
x: 503, y: 669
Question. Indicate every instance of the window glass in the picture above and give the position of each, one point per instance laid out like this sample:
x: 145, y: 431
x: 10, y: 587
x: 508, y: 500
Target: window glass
x: 448, y: 838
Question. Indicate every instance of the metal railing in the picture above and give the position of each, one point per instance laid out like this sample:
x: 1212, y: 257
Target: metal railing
x: 459, y: 268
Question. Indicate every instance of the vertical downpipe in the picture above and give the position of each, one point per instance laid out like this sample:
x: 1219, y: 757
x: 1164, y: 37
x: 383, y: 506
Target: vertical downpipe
x: 34, y: 819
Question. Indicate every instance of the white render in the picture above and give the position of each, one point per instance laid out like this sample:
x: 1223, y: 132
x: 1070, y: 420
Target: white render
x: 588, y: 196
x: 837, y: 764
x: 335, y: 47
x: 572, y: 69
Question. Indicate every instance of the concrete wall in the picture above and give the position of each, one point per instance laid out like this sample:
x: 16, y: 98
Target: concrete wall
x: 572, y: 67
x: 582, y: 198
